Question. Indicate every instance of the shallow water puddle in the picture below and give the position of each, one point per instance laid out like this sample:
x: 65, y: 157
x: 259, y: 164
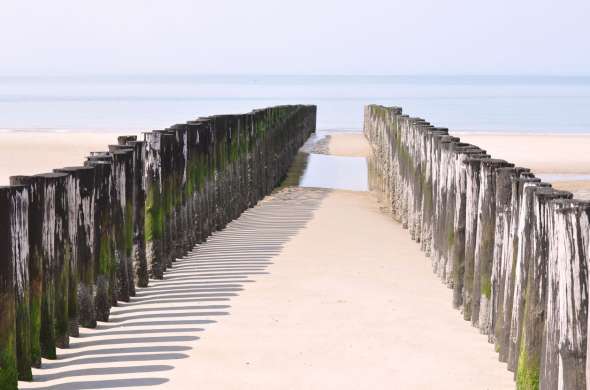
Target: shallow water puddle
x: 342, y: 173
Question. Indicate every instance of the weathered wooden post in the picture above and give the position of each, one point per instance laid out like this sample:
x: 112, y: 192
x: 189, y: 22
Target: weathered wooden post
x: 19, y: 239
x: 167, y: 197
x: 63, y: 255
x: 103, y: 236
x: 563, y: 363
x: 8, y: 357
x: 178, y: 157
x: 35, y: 270
x: 484, y: 251
x: 510, y: 252
x: 195, y: 177
x: 533, y: 321
x: 447, y: 241
x: 138, y: 254
x: 457, y: 252
x: 472, y: 184
x: 153, y: 205
x: 122, y: 160
x: 182, y: 201
x: 427, y: 207
x: 15, y: 352
x: 502, y: 257
x: 81, y: 229
x: 49, y: 262
x: 54, y: 308
x: 523, y: 257
x: 438, y: 246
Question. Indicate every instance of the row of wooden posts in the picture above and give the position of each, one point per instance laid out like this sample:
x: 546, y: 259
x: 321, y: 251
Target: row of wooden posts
x: 75, y: 241
x: 514, y: 250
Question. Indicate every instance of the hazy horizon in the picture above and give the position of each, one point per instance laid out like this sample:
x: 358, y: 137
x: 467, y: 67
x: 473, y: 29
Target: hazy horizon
x: 306, y: 37
x: 501, y: 66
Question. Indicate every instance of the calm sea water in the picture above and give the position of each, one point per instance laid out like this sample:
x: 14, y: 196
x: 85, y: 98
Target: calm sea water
x: 462, y: 103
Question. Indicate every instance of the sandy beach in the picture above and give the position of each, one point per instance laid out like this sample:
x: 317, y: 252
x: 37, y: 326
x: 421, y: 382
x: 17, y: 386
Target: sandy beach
x: 313, y: 288
x: 32, y: 152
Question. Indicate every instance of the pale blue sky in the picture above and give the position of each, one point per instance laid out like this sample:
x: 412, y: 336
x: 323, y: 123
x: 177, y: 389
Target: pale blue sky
x: 295, y: 37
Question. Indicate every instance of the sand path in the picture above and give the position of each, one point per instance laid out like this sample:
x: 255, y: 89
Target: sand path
x: 311, y: 289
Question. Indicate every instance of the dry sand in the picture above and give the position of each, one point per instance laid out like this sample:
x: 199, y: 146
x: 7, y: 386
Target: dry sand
x: 28, y: 153
x: 541, y: 152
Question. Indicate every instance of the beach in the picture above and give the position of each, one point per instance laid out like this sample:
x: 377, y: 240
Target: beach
x: 563, y: 158
x: 311, y: 289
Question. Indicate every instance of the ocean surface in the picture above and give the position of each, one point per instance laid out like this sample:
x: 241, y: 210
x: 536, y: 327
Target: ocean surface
x: 550, y: 104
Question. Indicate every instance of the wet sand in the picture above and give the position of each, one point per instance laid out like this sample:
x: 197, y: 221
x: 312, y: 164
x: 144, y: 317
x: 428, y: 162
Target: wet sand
x: 349, y: 145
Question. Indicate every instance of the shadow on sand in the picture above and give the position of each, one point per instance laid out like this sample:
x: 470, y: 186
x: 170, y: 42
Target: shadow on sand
x: 161, y: 323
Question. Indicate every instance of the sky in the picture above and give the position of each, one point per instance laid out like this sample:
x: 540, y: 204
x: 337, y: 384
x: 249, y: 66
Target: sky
x: 439, y: 37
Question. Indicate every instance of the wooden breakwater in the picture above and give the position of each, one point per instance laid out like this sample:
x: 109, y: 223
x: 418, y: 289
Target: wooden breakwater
x: 75, y: 241
x: 514, y: 250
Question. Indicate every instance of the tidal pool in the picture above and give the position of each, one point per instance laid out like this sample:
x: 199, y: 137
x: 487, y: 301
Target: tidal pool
x: 341, y: 173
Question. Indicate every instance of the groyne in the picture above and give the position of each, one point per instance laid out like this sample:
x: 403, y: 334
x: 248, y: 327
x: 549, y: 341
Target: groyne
x: 514, y: 250
x: 75, y: 241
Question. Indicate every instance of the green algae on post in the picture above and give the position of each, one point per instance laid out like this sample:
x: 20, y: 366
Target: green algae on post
x: 88, y: 235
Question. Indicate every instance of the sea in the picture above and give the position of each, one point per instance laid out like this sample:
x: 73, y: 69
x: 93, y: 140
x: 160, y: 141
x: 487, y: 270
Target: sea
x: 463, y: 103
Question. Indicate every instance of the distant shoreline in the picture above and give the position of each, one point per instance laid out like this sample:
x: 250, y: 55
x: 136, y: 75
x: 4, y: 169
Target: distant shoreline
x: 114, y: 130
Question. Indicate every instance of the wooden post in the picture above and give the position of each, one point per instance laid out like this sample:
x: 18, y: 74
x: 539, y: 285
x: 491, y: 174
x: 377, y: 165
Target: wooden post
x: 448, y: 240
x: 484, y: 251
x: 472, y: 183
x: 138, y: 254
x: 36, y: 195
x: 523, y: 256
x: 509, y: 257
x: 457, y: 250
x: 429, y: 190
x: 563, y: 363
x: 14, y: 288
x: 123, y: 220
x: 153, y: 205
x: 533, y: 321
x: 506, y: 204
x: 103, y: 236
x: 81, y: 229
